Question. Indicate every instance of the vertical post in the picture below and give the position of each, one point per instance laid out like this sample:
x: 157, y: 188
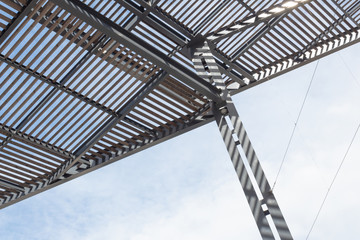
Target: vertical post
x: 257, y: 189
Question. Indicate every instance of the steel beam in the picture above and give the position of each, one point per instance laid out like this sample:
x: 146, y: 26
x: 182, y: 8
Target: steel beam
x: 246, y: 6
x: 263, y: 202
x: 257, y: 36
x: 161, y: 15
x: 346, y: 13
x: 62, y: 82
x: 110, y: 123
x: 80, y: 97
x: 79, y: 170
x: 145, y: 15
x: 119, y: 34
x: 319, y: 38
x: 174, y: 34
x: 319, y: 51
x: 252, y: 21
x: 54, y: 84
x: 10, y: 185
x: 228, y: 62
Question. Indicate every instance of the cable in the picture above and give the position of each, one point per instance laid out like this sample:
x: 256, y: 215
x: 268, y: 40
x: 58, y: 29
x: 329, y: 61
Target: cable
x: 296, y: 122
x: 332, y: 182
x: 347, y: 67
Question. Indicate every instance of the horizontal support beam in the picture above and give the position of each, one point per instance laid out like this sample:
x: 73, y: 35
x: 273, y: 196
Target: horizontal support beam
x: 347, y: 13
x: 10, y: 185
x: 170, y: 29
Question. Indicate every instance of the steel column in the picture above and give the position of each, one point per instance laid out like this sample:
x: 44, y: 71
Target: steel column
x: 263, y: 202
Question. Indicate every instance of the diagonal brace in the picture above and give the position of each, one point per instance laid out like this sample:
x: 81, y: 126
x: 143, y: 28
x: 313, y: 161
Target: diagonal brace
x: 121, y: 35
x: 111, y: 123
x: 253, y: 20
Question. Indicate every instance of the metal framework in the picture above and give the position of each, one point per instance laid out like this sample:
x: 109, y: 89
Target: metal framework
x: 86, y: 83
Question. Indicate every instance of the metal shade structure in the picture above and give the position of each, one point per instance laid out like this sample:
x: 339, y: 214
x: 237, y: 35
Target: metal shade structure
x: 86, y: 83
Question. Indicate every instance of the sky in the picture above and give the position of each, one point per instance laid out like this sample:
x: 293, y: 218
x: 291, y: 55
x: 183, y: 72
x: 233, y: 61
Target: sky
x: 186, y: 188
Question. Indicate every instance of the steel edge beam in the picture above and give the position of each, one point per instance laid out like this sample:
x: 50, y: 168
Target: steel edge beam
x: 103, y: 162
x: 300, y: 64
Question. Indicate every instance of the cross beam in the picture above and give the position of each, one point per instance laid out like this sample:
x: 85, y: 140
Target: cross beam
x: 119, y: 34
x: 111, y: 123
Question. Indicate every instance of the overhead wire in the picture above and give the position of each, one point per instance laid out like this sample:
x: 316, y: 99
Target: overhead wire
x: 333, y: 180
x: 344, y: 157
x: 295, y: 125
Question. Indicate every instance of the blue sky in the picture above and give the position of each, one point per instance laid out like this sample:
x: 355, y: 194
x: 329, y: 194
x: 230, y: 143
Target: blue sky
x: 186, y: 188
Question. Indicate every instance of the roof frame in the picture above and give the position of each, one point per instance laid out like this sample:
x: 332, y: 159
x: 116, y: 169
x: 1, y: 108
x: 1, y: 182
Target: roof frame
x: 62, y: 88
x: 12, y: 133
x: 121, y: 35
x: 183, y: 107
x: 265, y: 15
x: 300, y: 56
x: 24, y: 13
x: 81, y: 169
x: 269, y: 26
x: 111, y: 122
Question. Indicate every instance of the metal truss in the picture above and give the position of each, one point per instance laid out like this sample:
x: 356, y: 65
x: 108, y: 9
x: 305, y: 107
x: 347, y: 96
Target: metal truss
x: 107, y: 79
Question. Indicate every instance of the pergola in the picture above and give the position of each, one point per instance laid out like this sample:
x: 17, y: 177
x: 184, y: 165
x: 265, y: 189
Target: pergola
x: 86, y: 83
